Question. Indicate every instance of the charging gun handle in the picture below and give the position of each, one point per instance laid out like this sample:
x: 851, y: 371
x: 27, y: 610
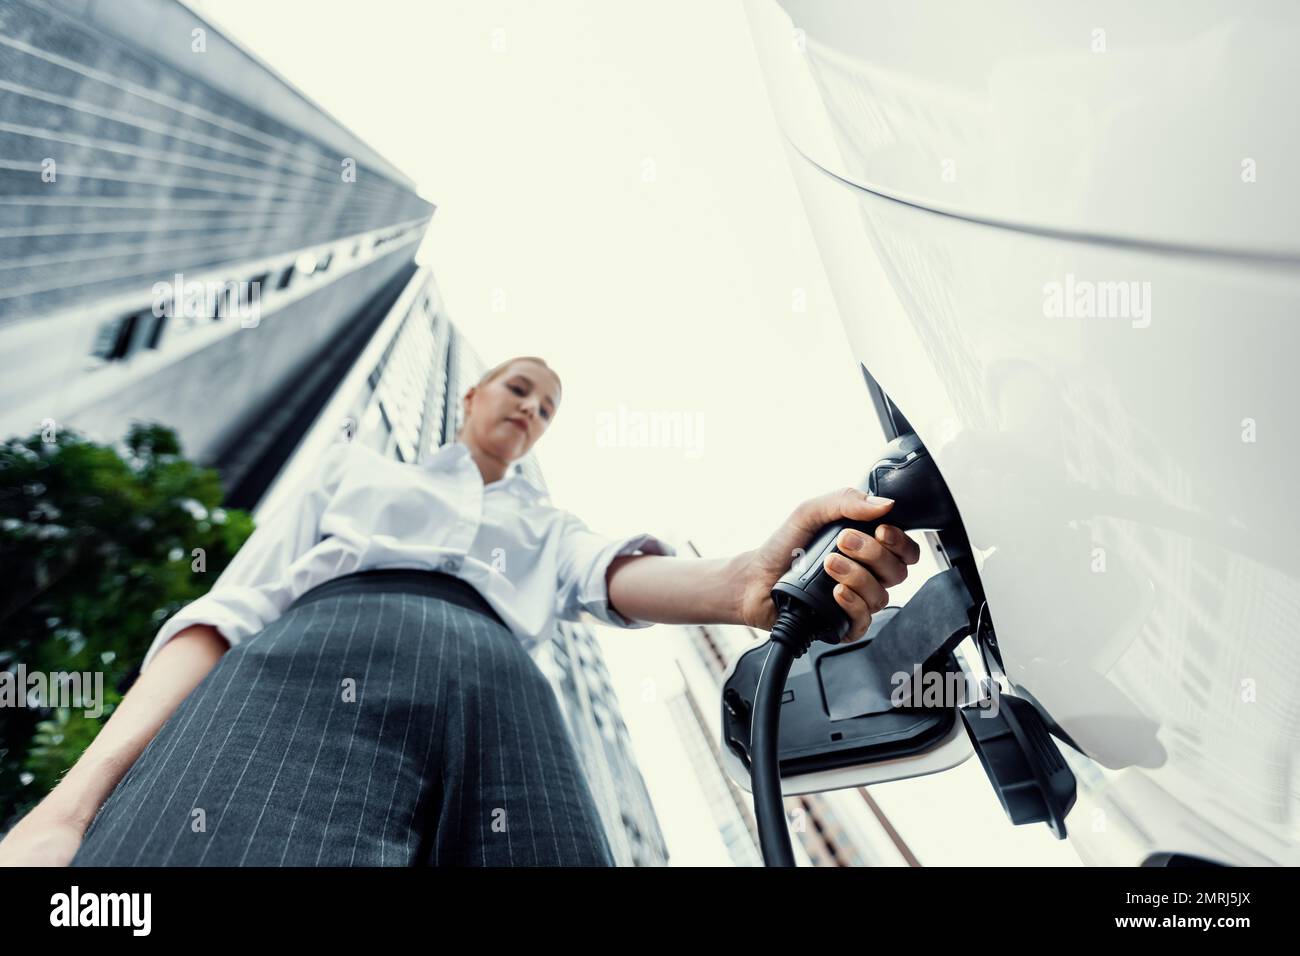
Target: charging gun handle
x: 907, y: 474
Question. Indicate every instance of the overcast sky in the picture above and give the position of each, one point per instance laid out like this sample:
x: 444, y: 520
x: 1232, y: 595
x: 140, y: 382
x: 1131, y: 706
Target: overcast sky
x: 612, y: 194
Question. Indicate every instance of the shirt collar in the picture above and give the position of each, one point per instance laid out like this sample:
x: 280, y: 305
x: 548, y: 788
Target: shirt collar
x: 449, y: 456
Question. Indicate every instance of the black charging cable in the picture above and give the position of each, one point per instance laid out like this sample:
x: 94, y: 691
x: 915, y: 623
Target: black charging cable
x: 791, y: 637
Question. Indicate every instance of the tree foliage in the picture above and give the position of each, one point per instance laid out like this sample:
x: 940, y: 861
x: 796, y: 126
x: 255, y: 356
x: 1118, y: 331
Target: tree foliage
x: 99, y: 545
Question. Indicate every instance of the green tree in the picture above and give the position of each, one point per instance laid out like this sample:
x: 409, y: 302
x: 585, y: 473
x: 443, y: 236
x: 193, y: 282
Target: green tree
x: 99, y: 545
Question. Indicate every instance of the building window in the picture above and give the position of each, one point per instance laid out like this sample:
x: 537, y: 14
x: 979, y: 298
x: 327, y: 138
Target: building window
x: 121, y: 338
x: 112, y: 337
x: 258, y: 283
x: 151, y: 330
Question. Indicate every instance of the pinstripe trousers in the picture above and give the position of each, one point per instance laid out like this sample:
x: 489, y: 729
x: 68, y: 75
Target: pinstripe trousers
x: 370, y: 725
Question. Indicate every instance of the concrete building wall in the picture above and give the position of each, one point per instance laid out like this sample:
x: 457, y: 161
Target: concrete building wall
x: 140, y: 149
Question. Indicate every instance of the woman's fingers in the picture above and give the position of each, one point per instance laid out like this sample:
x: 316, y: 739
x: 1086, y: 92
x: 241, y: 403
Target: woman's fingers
x: 907, y: 550
x: 887, y: 567
x: 857, y: 610
x: 866, y: 567
x: 858, y: 593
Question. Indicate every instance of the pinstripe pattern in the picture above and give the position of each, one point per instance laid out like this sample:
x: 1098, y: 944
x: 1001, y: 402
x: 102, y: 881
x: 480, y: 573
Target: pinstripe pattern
x: 453, y: 751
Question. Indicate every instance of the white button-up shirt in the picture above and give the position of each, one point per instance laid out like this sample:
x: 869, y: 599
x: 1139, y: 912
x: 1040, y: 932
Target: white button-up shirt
x: 360, y: 509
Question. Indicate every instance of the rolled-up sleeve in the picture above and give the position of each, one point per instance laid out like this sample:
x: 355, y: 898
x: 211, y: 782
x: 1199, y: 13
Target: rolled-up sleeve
x: 252, y: 591
x: 584, y: 559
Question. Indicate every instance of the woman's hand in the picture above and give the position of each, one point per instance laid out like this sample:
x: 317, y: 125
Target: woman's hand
x: 41, y: 839
x: 877, y: 563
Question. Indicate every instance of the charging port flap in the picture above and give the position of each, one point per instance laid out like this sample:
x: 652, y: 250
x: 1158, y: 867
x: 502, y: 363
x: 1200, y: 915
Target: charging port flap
x: 884, y: 674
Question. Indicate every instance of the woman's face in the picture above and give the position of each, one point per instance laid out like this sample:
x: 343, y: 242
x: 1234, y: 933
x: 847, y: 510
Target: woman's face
x: 506, y: 416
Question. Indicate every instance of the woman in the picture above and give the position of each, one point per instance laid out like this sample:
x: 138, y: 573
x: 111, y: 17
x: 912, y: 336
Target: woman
x: 358, y: 688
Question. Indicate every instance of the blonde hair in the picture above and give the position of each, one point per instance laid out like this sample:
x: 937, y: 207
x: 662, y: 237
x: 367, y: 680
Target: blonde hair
x: 497, y: 370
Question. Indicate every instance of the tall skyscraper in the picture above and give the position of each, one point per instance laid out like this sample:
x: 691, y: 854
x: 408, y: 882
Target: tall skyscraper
x: 573, y: 661
x: 184, y: 236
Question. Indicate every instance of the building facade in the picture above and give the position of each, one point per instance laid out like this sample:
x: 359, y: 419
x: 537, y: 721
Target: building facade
x: 184, y: 236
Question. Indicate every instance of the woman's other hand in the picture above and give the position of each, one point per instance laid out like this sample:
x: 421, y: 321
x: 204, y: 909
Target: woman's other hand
x: 41, y: 839
x: 876, y: 563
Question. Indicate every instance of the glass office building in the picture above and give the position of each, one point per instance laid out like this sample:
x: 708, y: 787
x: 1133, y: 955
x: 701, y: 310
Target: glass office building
x: 184, y: 236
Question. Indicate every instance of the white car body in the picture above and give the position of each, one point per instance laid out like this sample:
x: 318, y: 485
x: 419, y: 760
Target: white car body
x: 1065, y: 241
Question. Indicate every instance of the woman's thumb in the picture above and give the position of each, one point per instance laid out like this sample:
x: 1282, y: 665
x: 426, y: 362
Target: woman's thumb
x: 847, y: 502
x: 863, y: 504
